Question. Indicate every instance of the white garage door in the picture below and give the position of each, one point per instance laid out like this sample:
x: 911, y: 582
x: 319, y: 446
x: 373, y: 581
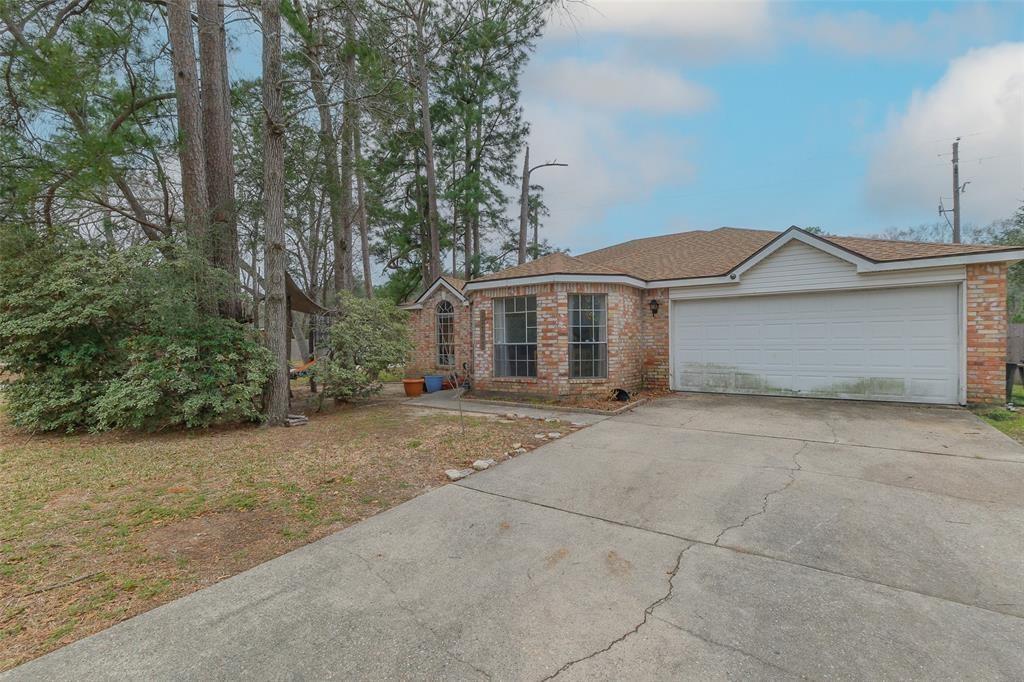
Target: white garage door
x: 876, y: 344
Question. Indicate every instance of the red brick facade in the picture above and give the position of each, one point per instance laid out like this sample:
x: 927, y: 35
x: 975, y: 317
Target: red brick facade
x: 638, y: 342
x: 986, y: 332
x: 423, y: 327
x: 625, y: 308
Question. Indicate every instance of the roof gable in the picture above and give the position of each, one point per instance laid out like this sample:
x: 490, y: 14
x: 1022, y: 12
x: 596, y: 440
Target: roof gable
x: 452, y: 284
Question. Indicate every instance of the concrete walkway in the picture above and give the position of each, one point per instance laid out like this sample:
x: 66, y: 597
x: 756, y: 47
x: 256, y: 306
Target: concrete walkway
x: 449, y: 400
x: 697, y: 537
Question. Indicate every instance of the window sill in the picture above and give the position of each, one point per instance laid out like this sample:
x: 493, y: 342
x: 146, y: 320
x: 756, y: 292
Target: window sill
x: 595, y: 380
x: 516, y: 380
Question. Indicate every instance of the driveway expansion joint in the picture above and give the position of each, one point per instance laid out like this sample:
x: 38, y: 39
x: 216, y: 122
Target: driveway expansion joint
x: 684, y: 427
x: 629, y: 633
x: 744, y: 550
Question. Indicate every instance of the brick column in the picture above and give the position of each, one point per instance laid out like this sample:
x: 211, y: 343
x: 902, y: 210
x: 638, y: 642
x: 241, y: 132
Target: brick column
x: 654, y: 334
x: 986, y: 332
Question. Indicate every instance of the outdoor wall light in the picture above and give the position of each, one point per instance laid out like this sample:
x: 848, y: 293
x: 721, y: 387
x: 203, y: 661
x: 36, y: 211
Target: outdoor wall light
x: 654, y: 306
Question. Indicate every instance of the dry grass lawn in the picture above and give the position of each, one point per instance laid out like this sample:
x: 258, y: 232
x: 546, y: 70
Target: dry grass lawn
x: 98, y: 528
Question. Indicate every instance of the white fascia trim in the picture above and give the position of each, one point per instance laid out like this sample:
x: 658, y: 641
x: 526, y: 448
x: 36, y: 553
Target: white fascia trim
x: 692, y: 282
x: 553, y: 279
x: 962, y: 259
x: 433, y: 287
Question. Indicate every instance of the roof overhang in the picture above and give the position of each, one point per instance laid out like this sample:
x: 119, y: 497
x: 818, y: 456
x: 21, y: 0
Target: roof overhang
x: 429, y: 291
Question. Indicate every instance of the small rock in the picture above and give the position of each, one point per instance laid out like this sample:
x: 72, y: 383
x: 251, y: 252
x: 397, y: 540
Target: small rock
x: 554, y: 434
x: 540, y: 436
x: 506, y: 421
x: 516, y: 446
x: 482, y: 464
x: 457, y: 474
x: 510, y: 415
x: 577, y: 425
x: 520, y: 451
x: 551, y: 420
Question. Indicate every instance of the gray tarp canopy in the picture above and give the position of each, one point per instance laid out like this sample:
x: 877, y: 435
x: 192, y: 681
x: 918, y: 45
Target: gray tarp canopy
x: 298, y: 300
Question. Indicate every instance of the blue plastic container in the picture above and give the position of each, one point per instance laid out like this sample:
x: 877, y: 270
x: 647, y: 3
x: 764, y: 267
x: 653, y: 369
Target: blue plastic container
x: 434, y: 382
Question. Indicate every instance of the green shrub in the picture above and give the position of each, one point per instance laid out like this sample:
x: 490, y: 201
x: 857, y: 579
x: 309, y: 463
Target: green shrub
x: 103, y: 340
x: 368, y: 337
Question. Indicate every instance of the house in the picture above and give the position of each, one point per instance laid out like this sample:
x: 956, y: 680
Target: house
x: 733, y: 311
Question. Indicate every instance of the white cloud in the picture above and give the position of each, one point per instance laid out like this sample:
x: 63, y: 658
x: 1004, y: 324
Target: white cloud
x: 614, y: 86
x: 695, y: 28
x: 980, y: 97
x: 863, y: 34
x: 610, y: 165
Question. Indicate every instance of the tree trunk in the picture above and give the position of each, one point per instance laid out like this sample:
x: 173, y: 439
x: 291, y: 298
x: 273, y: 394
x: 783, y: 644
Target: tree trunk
x: 434, y: 266
x: 220, y: 162
x: 364, y: 223
x: 347, y: 120
x: 524, y: 207
x: 478, y: 148
x: 330, y: 143
x: 275, y: 397
x: 467, y: 228
x: 190, y: 127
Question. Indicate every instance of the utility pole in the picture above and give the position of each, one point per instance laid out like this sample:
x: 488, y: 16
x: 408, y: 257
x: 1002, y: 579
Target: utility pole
x: 956, y: 191
x: 524, y: 202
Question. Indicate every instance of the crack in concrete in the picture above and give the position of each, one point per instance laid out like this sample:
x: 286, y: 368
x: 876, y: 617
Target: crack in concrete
x: 832, y: 428
x: 764, y: 502
x: 412, y: 613
x: 647, y: 614
x: 729, y: 647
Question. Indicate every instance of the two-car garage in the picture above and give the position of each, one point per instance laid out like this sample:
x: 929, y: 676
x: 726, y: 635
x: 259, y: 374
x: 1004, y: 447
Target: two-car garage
x: 873, y: 344
x: 804, y: 322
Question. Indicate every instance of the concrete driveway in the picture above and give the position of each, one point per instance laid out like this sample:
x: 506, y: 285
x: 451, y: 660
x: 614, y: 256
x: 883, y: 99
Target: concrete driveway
x: 695, y: 537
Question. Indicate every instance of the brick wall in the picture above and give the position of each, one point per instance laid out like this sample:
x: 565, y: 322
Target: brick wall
x: 986, y: 332
x: 624, y: 340
x: 423, y: 328
x: 654, y: 339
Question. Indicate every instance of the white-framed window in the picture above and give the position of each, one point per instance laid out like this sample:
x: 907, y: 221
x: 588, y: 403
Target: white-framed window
x: 445, y: 315
x: 588, y: 336
x: 515, y: 336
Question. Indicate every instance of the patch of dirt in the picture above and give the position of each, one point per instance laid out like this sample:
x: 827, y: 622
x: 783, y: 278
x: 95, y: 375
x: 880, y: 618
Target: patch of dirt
x: 215, y: 546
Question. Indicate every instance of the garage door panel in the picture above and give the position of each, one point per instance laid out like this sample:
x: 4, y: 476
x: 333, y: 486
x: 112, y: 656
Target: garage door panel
x: 885, y: 344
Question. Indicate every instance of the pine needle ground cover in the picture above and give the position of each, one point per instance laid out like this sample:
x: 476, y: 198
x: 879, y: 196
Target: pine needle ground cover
x: 95, y: 529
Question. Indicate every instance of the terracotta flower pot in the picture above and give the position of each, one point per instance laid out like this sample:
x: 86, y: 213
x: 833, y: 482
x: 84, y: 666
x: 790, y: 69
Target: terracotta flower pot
x: 413, y: 387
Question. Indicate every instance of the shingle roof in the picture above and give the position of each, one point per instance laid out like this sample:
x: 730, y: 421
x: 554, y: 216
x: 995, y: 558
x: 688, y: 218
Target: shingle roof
x: 458, y: 284
x: 685, y: 254
x: 710, y: 253
x: 884, y: 250
x: 552, y: 264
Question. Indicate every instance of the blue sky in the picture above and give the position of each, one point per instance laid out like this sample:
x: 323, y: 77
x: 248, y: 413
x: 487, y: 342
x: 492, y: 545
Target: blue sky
x: 676, y: 116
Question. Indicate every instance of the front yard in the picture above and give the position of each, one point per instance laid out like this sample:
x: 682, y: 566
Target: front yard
x: 98, y: 528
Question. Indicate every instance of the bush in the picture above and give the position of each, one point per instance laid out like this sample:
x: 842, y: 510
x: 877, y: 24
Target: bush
x: 368, y: 337
x: 103, y: 340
